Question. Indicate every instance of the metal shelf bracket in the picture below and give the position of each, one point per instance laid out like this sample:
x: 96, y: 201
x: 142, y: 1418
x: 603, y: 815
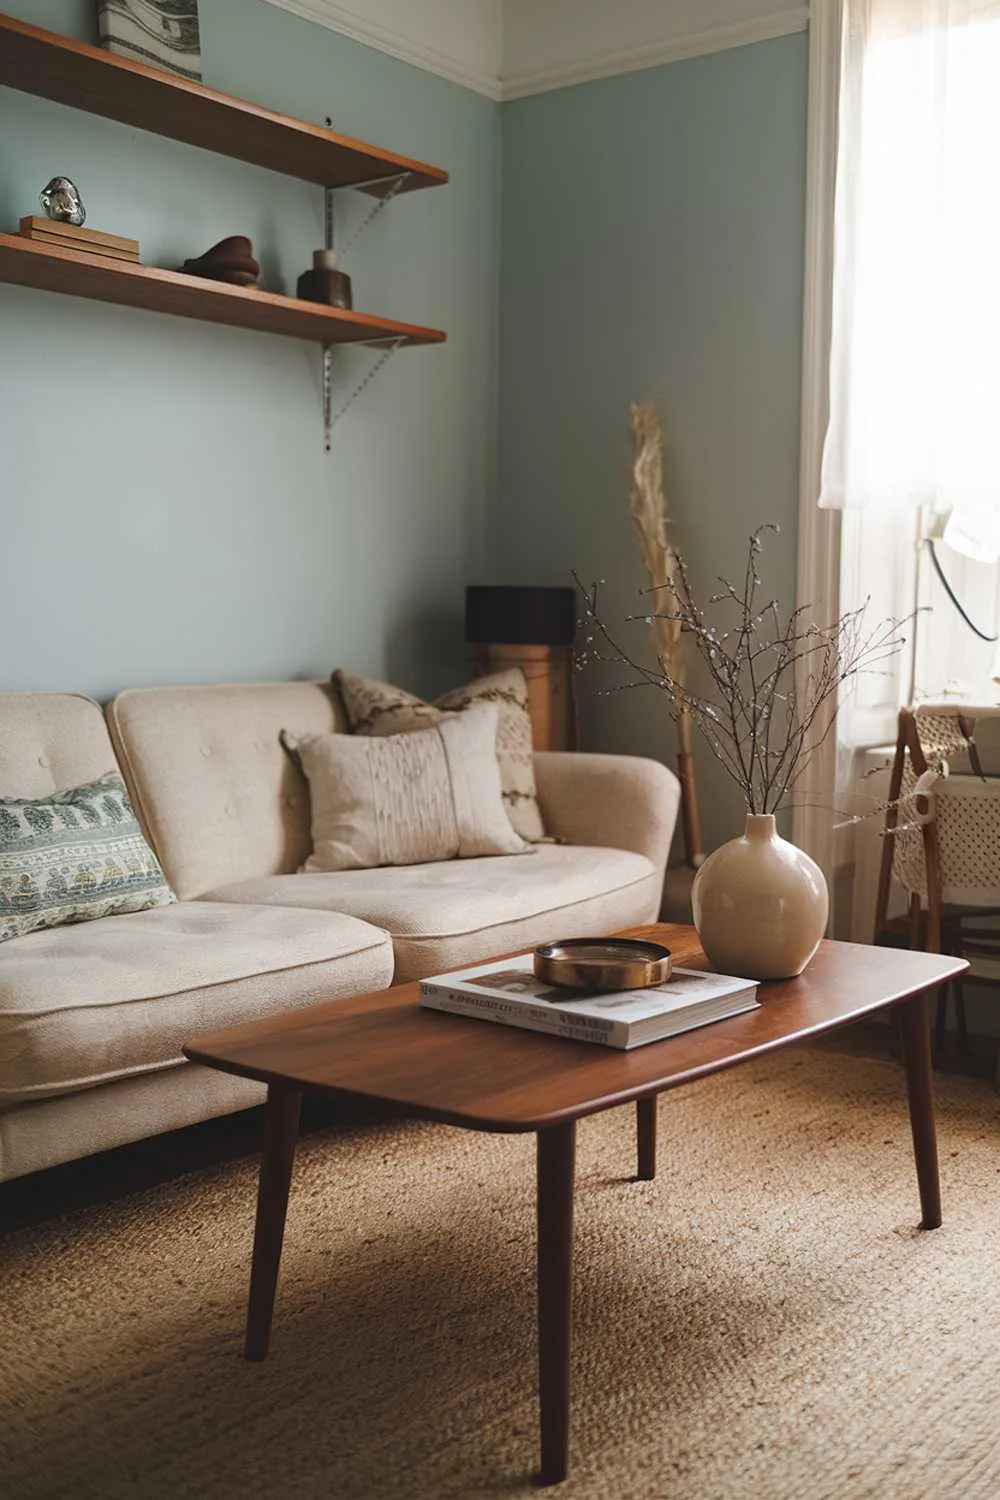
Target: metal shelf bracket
x: 331, y: 417
x: 391, y: 186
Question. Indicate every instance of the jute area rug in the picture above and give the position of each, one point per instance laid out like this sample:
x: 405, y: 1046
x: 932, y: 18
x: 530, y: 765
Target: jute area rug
x: 764, y: 1320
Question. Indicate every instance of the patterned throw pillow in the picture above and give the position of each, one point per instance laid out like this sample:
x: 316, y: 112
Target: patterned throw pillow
x: 376, y: 708
x: 73, y: 856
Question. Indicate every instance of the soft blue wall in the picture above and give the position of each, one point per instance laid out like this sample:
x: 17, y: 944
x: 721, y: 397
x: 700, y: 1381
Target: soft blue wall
x: 168, y: 511
x: 652, y: 244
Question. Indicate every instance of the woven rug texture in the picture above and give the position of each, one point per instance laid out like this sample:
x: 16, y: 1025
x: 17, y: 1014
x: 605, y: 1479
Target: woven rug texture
x: 764, y: 1320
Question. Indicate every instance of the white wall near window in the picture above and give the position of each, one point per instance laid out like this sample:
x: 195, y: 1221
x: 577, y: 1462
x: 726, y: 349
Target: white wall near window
x: 885, y: 561
x: 879, y: 564
x: 950, y: 660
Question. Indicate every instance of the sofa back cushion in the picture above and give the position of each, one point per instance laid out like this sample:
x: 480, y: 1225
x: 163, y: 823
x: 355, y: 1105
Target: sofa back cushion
x: 51, y: 741
x: 220, y: 798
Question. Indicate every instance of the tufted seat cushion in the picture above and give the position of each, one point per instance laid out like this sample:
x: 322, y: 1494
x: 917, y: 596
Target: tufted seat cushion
x: 102, y: 1001
x: 444, y: 916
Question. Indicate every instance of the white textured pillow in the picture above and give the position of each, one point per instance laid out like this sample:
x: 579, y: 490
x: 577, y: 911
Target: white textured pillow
x: 406, y: 799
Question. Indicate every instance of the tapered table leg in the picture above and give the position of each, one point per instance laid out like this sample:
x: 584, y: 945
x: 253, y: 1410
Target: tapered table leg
x: 914, y: 1031
x: 556, y: 1159
x: 645, y: 1127
x: 281, y: 1130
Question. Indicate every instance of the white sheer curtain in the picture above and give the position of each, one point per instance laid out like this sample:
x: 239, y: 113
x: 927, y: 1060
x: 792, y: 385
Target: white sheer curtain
x: 915, y: 356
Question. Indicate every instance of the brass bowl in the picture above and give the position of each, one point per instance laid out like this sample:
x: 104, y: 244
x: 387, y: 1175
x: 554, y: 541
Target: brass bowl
x: 603, y: 963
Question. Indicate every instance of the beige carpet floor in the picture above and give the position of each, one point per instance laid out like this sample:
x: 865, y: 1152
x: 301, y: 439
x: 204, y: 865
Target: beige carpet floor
x: 764, y: 1320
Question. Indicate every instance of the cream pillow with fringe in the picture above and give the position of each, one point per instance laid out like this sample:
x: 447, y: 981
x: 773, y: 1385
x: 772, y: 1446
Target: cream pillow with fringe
x: 406, y: 799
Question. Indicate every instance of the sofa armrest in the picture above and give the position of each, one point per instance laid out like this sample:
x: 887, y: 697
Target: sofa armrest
x: 609, y: 801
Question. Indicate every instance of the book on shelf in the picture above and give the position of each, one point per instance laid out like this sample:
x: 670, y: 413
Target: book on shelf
x: 508, y: 992
x: 76, y: 237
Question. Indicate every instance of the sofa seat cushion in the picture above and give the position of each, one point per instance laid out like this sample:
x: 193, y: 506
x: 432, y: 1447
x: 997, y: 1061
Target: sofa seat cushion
x: 444, y: 916
x: 88, y: 1004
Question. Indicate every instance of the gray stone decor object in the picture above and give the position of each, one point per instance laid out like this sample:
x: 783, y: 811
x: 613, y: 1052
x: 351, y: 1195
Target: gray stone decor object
x: 61, y: 201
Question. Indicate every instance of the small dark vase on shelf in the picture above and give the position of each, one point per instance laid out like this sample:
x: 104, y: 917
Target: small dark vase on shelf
x: 325, y: 283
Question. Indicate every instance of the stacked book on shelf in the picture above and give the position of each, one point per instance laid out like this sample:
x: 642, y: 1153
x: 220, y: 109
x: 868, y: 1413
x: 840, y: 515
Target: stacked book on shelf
x: 509, y: 993
x: 75, y: 237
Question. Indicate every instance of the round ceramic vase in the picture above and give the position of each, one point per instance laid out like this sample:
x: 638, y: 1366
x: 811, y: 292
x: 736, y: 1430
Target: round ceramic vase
x: 760, y: 904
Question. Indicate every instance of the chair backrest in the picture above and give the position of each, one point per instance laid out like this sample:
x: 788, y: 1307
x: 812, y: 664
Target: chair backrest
x: 220, y: 798
x: 952, y: 838
x: 51, y: 741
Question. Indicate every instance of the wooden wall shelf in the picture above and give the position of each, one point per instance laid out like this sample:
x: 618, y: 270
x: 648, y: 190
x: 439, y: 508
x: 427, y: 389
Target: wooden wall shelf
x: 71, y: 72
x: 27, y: 263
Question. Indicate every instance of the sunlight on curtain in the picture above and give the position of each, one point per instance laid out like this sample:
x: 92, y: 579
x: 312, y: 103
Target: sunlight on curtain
x: 915, y: 357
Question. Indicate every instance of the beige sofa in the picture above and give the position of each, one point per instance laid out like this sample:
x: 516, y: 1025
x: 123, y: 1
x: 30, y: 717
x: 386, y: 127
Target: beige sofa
x: 92, y: 1016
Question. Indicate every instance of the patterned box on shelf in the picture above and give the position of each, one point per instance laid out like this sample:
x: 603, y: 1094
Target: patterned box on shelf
x: 163, y: 33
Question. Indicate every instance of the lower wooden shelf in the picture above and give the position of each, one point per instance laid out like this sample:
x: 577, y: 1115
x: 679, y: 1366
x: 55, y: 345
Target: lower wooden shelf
x: 26, y: 263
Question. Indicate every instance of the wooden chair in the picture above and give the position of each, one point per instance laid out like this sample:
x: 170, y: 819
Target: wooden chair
x: 942, y: 844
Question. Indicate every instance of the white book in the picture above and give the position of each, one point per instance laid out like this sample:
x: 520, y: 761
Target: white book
x: 509, y: 993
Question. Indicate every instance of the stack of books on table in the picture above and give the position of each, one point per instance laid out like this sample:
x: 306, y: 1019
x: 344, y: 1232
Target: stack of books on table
x: 508, y: 992
x: 75, y: 237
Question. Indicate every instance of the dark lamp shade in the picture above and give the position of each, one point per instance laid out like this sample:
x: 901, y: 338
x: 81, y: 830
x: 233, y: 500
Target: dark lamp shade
x: 519, y: 616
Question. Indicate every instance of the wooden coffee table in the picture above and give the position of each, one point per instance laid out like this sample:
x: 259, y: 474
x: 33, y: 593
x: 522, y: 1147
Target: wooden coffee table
x: 383, y: 1048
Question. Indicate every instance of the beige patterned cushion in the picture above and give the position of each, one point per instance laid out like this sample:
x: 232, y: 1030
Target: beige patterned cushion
x: 376, y: 708
x: 409, y: 799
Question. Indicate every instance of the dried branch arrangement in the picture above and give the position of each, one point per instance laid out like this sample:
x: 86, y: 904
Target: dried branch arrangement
x: 648, y: 508
x: 774, y: 684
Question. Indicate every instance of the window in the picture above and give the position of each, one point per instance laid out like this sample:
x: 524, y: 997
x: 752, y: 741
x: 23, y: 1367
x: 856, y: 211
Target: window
x: 901, y: 371
x: 912, y: 448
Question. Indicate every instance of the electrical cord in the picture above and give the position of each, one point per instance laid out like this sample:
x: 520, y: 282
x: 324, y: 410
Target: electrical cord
x: 983, y: 636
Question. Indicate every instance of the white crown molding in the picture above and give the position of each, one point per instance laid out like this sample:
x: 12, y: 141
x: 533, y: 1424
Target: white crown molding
x: 432, y: 58
x: 654, y: 54
x: 475, y: 63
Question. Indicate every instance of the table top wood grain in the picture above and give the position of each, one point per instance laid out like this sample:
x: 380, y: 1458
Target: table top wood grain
x: 384, y: 1048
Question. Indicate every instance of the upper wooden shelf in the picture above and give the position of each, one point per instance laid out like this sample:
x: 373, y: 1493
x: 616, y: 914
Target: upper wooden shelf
x: 28, y: 263
x: 75, y: 73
